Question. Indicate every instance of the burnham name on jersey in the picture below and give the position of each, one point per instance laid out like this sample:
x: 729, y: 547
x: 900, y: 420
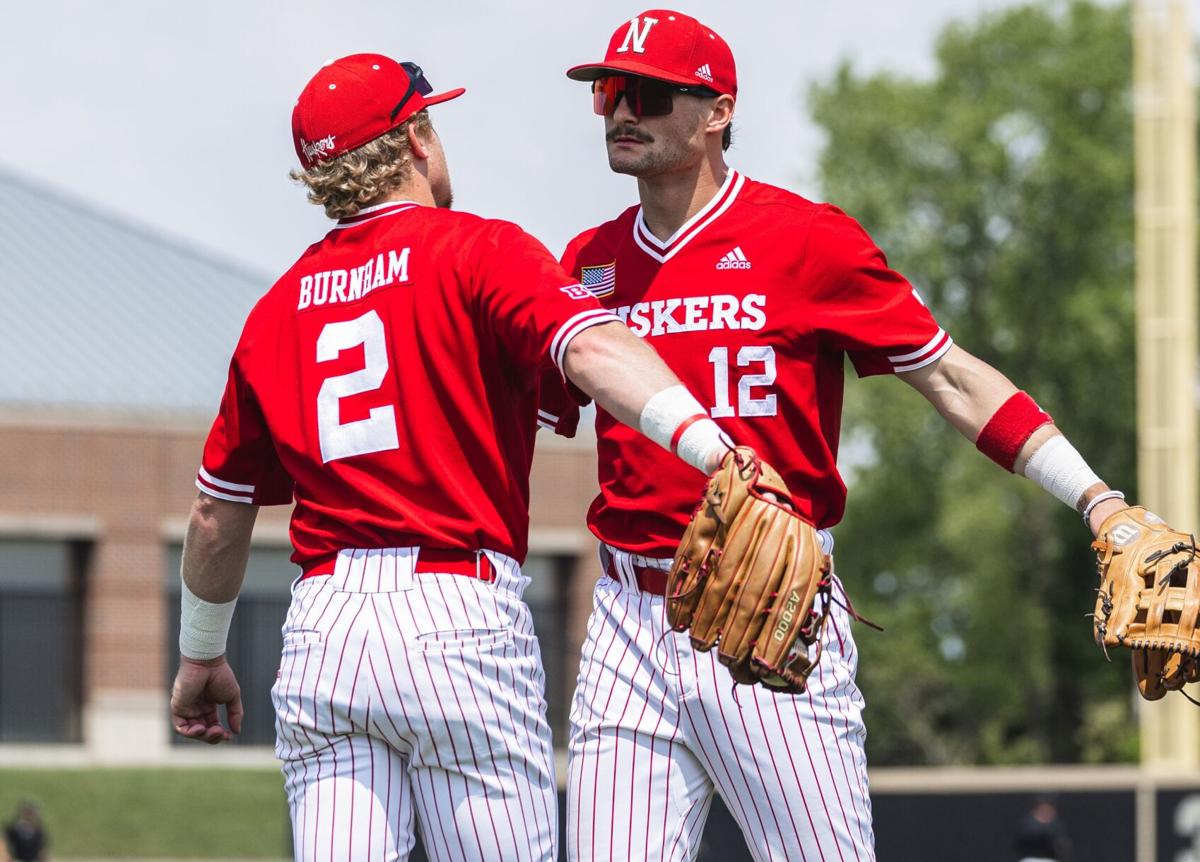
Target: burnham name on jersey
x: 350, y: 285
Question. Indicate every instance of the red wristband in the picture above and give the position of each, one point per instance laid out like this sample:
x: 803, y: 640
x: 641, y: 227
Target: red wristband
x: 683, y: 426
x: 1009, y: 428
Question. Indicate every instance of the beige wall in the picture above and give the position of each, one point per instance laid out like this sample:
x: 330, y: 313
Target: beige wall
x: 125, y: 484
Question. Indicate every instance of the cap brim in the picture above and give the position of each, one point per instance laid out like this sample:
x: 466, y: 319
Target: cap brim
x: 593, y: 71
x: 445, y: 97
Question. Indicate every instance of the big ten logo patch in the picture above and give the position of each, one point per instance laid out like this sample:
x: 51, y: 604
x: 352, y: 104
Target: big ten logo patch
x: 576, y: 291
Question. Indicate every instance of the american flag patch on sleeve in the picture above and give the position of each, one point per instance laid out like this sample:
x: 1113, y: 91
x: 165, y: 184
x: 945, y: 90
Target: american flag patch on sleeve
x: 601, y: 280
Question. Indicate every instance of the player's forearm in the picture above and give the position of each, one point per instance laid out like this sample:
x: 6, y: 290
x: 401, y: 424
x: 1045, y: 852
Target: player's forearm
x: 965, y: 390
x: 1005, y: 424
x: 627, y: 378
x: 215, y: 552
x: 216, y: 547
x: 617, y: 369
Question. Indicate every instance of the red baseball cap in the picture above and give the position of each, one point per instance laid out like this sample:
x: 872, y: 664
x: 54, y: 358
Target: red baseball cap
x: 669, y: 46
x: 355, y: 100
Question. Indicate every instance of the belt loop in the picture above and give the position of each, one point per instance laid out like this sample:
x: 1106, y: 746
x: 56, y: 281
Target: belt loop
x: 477, y: 553
x: 606, y: 559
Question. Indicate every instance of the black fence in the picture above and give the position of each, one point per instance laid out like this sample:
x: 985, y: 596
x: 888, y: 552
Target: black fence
x: 1096, y: 825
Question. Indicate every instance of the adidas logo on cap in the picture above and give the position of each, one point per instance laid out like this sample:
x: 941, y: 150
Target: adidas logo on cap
x: 704, y: 72
x: 734, y: 259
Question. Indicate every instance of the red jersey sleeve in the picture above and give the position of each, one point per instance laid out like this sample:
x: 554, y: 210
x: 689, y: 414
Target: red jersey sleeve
x: 240, y: 463
x: 559, y: 400
x: 534, y: 307
x: 864, y: 307
x: 558, y: 404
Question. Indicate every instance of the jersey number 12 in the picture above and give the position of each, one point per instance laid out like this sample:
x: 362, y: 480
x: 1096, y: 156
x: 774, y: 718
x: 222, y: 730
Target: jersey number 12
x: 747, y: 405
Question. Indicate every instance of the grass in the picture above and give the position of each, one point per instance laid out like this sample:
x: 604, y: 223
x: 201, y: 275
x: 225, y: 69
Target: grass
x: 155, y: 813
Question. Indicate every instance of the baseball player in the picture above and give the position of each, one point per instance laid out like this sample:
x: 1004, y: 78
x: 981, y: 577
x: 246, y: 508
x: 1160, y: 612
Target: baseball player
x: 754, y: 296
x: 387, y: 383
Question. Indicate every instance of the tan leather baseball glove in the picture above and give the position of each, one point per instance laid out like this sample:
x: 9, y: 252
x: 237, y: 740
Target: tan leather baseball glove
x: 747, y: 575
x: 1149, y: 599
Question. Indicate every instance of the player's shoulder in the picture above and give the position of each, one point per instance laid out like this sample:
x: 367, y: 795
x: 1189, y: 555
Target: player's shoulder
x: 603, y: 239
x: 437, y: 224
x: 267, y: 310
x: 820, y: 222
x: 279, y: 300
x: 262, y: 325
x: 470, y: 232
x: 779, y: 202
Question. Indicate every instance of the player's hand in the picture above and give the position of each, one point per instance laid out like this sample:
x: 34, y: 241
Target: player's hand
x: 716, y: 459
x: 1102, y: 512
x: 200, y: 687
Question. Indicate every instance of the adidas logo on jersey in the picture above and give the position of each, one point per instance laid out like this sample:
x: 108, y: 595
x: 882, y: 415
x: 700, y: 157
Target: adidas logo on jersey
x: 734, y: 260
x: 704, y: 73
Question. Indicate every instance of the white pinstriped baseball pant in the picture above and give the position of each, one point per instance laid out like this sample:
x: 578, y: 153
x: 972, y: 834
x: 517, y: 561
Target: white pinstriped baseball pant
x: 657, y: 726
x: 405, y: 696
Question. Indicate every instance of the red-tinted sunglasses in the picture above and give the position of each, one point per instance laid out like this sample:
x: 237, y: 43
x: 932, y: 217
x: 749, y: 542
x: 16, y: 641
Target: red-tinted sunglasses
x: 645, y: 97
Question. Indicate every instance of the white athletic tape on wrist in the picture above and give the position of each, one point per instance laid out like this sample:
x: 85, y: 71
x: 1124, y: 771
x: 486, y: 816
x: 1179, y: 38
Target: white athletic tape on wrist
x: 1061, y: 470
x: 203, y: 626
x: 669, y: 409
x: 699, y: 441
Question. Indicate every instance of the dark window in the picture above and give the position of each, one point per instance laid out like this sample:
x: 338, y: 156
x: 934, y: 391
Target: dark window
x: 41, y: 583
x: 255, y: 639
x: 547, y: 596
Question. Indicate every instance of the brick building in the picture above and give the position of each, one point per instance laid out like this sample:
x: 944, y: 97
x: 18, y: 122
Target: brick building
x: 115, y: 345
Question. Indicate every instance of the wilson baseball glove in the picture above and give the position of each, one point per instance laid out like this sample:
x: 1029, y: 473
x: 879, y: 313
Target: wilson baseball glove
x: 746, y: 577
x: 1149, y: 599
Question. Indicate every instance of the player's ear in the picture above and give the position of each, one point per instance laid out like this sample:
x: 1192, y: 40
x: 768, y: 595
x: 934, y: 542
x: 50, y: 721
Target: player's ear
x: 418, y: 144
x: 720, y: 114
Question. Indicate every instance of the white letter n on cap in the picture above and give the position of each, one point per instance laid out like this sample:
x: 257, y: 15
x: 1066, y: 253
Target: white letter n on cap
x: 639, y: 29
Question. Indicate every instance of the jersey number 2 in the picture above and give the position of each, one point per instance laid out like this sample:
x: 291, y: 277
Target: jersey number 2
x: 376, y: 433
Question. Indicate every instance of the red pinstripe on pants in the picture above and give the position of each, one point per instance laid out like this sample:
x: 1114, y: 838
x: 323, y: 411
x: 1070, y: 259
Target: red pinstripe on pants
x: 411, y: 698
x: 656, y: 728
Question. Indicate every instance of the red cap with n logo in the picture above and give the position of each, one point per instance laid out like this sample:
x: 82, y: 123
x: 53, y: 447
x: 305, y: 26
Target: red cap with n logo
x: 668, y: 46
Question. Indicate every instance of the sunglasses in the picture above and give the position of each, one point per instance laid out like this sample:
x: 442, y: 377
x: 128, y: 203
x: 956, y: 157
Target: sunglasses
x: 416, y: 84
x: 645, y: 97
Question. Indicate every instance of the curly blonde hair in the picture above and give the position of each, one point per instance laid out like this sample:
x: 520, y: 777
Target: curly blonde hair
x: 362, y: 176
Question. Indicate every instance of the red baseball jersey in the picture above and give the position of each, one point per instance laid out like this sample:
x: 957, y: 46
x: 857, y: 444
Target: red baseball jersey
x: 754, y: 303
x: 388, y: 381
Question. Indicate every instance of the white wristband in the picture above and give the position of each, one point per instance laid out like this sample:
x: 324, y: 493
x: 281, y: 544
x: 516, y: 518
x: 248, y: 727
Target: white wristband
x: 203, y: 626
x: 1097, y: 500
x: 699, y: 441
x: 1061, y: 470
x: 667, y: 411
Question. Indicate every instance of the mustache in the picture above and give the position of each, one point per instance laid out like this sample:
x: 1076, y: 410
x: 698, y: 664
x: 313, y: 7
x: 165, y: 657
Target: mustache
x: 634, y: 132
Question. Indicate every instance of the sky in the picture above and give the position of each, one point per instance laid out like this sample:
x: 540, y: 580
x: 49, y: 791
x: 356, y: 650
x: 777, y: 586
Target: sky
x: 177, y: 115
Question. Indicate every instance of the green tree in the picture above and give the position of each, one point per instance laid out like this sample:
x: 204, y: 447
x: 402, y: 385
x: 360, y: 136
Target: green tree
x: 1003, y: 187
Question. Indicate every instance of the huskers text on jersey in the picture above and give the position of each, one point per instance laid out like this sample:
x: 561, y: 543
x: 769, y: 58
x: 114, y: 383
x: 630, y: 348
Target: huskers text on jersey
x: 696, y: 314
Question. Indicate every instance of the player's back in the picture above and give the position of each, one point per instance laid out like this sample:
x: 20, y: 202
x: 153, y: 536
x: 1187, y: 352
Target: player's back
x: 393, y: 374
